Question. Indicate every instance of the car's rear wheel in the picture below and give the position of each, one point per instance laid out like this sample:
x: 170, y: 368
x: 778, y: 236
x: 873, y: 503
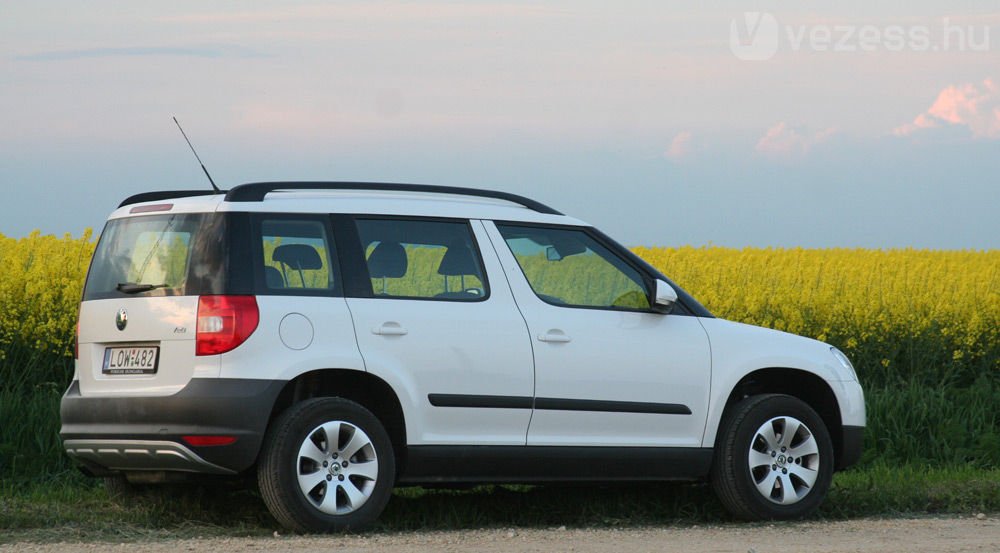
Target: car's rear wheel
x: 773, y: 459
x: 327, y: 465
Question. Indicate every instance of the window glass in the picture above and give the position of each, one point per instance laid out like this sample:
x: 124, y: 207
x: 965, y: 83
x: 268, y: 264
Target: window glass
x: 422, y: 259
x: 296, y: 255
x: 568, y: 267
x: 157, y: 255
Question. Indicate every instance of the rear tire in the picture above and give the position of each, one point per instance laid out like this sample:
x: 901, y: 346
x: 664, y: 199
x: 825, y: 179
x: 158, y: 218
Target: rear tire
x: 773, y: 459
x: 327, y: 465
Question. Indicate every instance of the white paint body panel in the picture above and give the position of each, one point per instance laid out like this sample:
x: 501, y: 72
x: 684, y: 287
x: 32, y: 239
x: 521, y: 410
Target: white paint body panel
x: 612, y: 356
x: 264, y: 355
x: 167, y: 322
x: 739, y: 349
x: 452, y: 347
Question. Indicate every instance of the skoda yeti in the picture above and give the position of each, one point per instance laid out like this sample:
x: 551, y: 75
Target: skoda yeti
x: 334, y: 340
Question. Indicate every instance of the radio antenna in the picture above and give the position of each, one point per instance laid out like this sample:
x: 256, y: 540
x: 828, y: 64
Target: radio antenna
x: 184, y: 134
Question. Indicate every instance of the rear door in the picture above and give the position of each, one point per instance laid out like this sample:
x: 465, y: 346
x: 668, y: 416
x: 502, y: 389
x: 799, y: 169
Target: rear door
x: 137, y: 318
x: 435, y: 319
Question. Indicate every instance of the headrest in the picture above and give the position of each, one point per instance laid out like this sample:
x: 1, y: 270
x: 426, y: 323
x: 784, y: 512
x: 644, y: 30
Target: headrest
x: 388, y: 260
x: 458, y: 260
x: 298, y: 256
x: 273, y: 277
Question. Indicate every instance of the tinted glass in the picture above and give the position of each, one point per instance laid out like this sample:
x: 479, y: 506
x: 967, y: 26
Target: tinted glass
x: 159, y: 255
x: 422, y: 259
x: 295, y: 255
x: 568, y: 267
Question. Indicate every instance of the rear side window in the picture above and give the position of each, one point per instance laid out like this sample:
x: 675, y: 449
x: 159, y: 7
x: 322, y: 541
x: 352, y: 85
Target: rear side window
x: 159, y: 255
x: 295, y: 256
x: 422, y: 259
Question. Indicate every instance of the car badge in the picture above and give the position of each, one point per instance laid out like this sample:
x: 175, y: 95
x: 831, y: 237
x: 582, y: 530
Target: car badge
x: 121, y: 319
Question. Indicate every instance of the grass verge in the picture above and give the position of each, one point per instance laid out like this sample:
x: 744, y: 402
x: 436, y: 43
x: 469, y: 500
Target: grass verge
x: 69, y: 507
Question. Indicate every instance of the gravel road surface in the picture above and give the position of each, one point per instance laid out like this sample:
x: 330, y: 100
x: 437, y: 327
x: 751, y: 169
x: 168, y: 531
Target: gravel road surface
x: 971, y: 533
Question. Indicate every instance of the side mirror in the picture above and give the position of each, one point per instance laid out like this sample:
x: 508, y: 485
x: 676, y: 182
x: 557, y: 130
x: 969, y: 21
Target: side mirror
x: 664, y: 298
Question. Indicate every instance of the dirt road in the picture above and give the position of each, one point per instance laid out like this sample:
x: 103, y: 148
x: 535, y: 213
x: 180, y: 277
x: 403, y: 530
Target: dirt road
x: 903, y: 535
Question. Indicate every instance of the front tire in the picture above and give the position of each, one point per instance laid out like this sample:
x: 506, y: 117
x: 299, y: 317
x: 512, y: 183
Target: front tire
x: 773, y: 460
x: 327, y: 465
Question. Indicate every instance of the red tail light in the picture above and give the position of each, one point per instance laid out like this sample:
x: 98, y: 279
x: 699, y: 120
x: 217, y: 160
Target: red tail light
x: 208, y: 441
x: 224, y: 322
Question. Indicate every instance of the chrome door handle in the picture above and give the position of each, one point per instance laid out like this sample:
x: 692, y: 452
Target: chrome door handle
x: 554, y: 335
x: 389, y: 329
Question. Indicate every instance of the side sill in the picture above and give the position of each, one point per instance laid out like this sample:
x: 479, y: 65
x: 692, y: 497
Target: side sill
x: 432, y: 464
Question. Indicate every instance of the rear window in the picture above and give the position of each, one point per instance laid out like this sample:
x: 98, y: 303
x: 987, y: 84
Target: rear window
x: 159, y: 255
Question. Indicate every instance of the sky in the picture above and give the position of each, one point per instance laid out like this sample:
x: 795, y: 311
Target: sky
x: 842, y: 124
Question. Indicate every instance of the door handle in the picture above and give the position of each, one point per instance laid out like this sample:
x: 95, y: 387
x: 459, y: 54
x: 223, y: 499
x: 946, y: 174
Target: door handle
x: 389, y: 329
x: 554, y: 335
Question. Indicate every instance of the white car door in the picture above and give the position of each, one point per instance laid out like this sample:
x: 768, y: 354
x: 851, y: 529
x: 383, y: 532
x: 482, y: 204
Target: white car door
x: 608, y: 370
x: 441, y: 327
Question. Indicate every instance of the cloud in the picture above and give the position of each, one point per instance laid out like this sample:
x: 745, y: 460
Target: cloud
x: 786, y: 141
x: 974, y: 106
x: 205, y: 51
x: 680, y: 146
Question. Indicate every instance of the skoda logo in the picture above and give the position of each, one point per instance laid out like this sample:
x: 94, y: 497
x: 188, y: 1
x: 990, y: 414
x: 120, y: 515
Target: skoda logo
x: 121, y: 319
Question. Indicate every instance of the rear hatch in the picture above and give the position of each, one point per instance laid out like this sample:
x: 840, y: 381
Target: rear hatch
x: 140, y: 304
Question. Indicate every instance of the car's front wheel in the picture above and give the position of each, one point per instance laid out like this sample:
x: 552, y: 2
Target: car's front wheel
x: 773, y: 458
x: 327, y: 465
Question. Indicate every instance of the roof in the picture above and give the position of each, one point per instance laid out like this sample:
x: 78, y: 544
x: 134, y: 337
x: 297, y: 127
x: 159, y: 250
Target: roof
x: 361, y: 198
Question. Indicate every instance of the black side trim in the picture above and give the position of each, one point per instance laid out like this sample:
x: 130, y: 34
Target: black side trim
x: 493, y: 402
x: 255, y: 192
x: 166, y: 195
x: 557, y: 404
x: 525, y: 464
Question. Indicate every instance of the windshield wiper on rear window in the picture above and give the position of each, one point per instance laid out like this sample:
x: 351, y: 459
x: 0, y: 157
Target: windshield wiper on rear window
x: 135, y: 288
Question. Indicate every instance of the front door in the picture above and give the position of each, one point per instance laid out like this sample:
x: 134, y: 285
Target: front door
x: 608, y: 370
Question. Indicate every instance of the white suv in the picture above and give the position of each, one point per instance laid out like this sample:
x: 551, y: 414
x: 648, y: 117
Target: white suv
x: 340, y: 339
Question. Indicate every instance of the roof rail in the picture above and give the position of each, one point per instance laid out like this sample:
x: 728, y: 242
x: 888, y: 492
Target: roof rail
x: 166, y: 195
x: 255, y: 192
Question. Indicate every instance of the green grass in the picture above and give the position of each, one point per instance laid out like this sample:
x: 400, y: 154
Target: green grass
x: 69, y: 507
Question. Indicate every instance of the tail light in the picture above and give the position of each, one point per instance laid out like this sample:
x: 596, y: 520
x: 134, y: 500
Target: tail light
x: 224, y: 322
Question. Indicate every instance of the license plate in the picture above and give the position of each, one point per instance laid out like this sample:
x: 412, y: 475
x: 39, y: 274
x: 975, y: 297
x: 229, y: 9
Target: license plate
x: 131, y: 360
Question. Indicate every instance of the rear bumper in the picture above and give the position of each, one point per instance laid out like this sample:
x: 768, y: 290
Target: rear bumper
x: 111, y: 434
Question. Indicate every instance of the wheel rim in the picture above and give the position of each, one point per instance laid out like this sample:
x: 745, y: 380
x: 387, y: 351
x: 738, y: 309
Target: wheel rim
x: 337, y: 467
x: 784, y: 460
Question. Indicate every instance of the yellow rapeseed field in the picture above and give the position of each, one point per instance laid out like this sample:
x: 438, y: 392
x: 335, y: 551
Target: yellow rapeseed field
x: 900, y: 314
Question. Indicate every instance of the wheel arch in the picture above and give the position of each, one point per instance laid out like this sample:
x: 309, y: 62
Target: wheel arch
x: 364, y: 388
x: 804, y: 385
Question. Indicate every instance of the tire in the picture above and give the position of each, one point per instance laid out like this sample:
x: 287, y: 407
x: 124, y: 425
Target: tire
x: 762, y: 472
x: 312, y: 484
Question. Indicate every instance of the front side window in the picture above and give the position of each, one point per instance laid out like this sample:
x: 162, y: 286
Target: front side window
x: 422, y: 259
x: 567, y: 267
x: 296, y: 255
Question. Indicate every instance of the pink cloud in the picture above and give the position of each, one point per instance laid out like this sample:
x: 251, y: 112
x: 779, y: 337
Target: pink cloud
x: 787, y: 141
x: 680, y: 146
x: 976, y: 107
